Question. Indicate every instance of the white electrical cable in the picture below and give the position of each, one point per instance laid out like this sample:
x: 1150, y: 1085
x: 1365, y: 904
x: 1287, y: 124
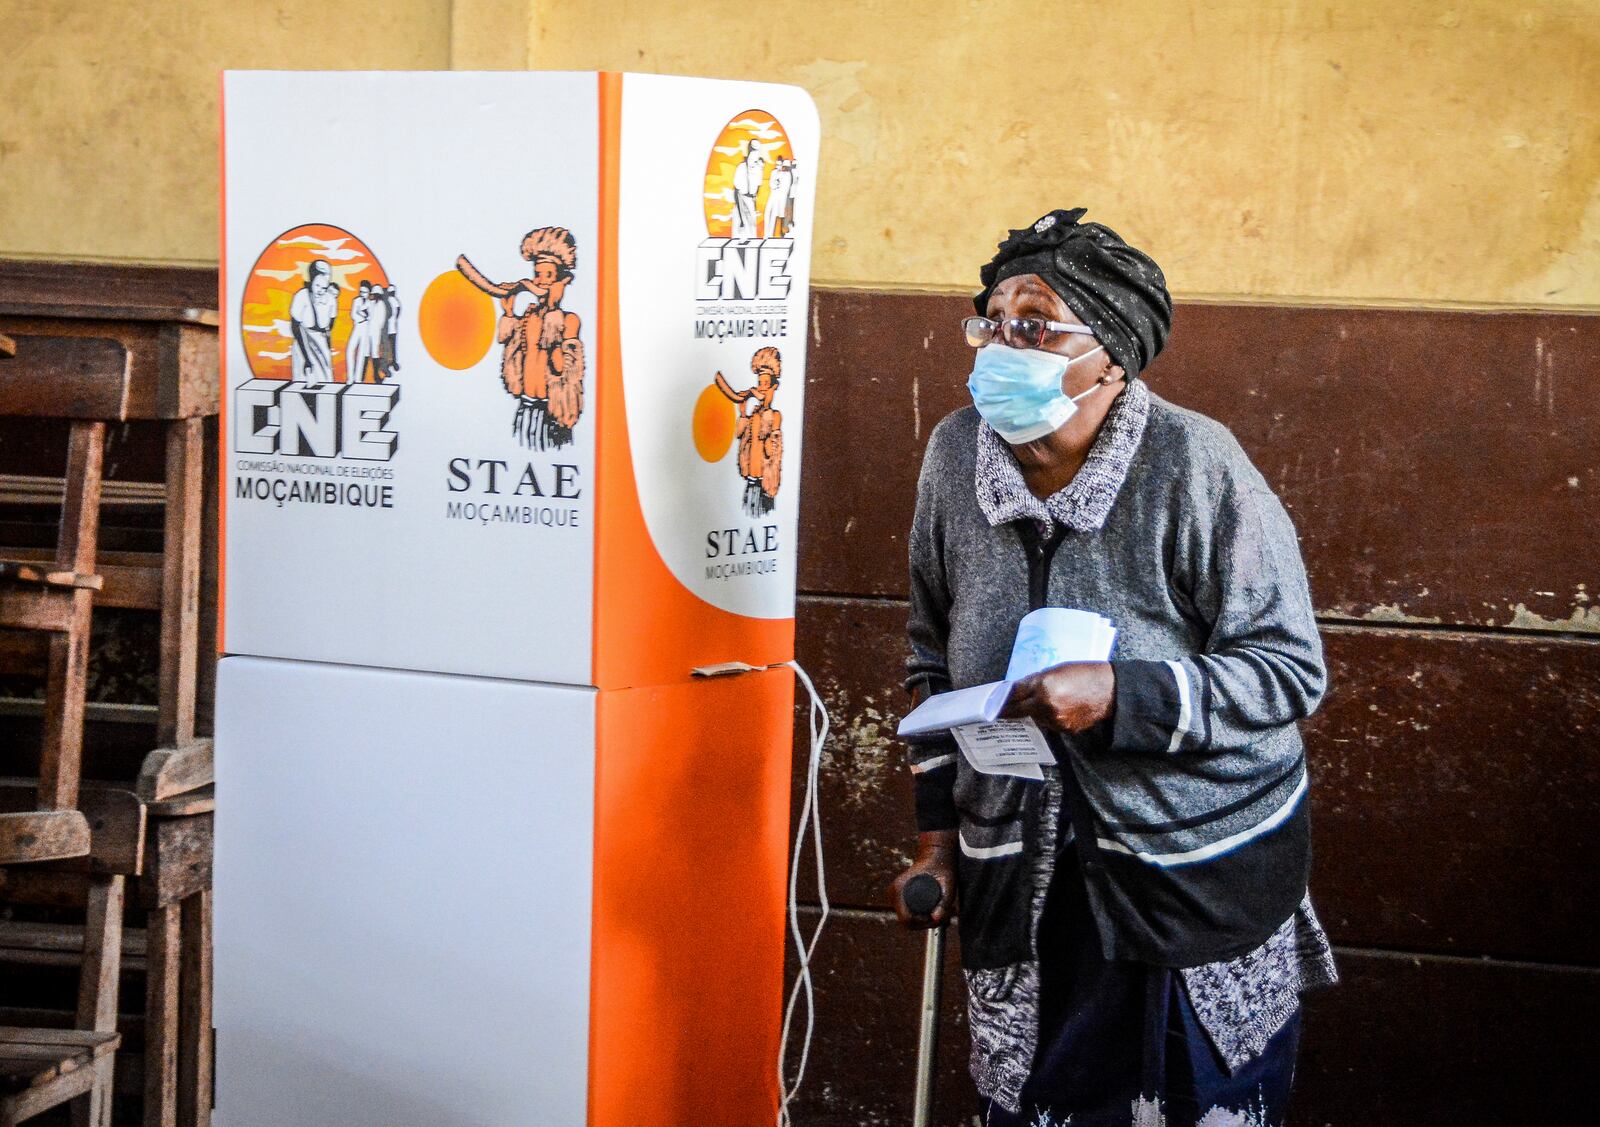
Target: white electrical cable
x: 808, y: 813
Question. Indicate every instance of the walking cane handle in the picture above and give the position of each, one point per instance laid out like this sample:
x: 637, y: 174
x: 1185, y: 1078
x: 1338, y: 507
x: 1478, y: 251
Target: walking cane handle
x: 922, y: 894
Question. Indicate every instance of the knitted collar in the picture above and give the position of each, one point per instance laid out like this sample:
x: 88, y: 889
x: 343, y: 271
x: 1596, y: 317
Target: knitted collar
x: 1084, y: 502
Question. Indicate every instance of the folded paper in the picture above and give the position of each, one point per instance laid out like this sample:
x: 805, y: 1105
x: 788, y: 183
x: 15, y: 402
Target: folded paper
x: 1045, y: 637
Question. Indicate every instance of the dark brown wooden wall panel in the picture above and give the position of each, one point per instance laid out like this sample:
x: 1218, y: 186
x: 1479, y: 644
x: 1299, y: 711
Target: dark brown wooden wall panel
x: 855, y: 651
x: 1407, y: 1040
x: 1454, y: 782
x: 1429, y: 1040
x: 1440, y: 466
x: 868, y: 979
x: 883, y: 370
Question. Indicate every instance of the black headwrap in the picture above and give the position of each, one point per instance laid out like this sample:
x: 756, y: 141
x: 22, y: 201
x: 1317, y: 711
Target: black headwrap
x: 1117, y: 291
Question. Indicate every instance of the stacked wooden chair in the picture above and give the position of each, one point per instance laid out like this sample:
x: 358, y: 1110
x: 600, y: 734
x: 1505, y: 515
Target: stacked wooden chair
x: 133, y: 349
x: 51, y: 846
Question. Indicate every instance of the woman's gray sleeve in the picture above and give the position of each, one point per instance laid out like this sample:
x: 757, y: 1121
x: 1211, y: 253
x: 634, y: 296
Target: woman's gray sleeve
x: 1262, y: 667
x: 932, y: 759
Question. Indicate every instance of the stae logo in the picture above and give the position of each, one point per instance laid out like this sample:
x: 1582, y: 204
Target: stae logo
x: 749, y: 204
x: 541, y: 357
x: 320, y: 323
x: 722, y: 414
x: 463, y: 313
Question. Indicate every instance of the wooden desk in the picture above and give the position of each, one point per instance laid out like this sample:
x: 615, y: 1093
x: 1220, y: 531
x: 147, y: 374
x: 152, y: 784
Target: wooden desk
x: 166, y: 319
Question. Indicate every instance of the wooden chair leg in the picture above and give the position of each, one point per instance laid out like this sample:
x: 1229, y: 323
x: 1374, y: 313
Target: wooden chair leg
x: 97, y: 990
x: 161, y: 1018
x: 93, y: 1108
x: 69, y: 652
x: 65, y: 687
x: 89, y: 1109
x: 194, y: 1036
x: 180, y: 585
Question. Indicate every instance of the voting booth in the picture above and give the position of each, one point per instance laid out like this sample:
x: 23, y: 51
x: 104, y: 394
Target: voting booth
x: 513, y: 381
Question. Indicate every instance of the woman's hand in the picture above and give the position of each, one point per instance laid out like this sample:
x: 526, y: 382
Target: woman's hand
x: 1071, y: 697
x: 936, y: 856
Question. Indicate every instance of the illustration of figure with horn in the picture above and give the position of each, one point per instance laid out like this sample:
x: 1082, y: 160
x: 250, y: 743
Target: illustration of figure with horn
x: 541, y: 362
x: 760, y: 432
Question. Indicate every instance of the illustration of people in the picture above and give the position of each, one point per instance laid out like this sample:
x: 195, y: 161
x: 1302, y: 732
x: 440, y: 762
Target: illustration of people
x: 358, y: 349
x: 780, y: 200
x: 312, y: 312
x: 541, y: 362
x: 746, y: 185
x: 760, y: 432
x: 377, y: 330
x: 387, y: 364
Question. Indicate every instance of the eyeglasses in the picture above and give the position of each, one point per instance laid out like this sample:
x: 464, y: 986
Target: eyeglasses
x: 1018, y: 332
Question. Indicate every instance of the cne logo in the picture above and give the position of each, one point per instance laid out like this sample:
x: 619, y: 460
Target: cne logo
x: 749, y: 202
x: 320, y: 322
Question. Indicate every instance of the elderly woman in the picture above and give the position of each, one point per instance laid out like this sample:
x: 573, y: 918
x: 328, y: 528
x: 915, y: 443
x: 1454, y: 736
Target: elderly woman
x: 1135, y: 930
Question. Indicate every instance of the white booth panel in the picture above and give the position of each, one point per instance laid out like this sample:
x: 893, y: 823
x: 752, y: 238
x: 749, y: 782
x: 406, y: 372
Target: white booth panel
x: 403, y: 873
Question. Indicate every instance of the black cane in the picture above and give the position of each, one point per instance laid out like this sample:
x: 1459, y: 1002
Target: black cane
x: 922, y: 895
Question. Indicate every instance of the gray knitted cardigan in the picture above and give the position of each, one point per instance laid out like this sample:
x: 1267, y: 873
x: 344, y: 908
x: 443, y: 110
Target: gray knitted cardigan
x: 1191, y: 804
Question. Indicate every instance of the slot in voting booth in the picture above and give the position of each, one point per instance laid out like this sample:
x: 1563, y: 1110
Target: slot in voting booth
x: 514, y: 369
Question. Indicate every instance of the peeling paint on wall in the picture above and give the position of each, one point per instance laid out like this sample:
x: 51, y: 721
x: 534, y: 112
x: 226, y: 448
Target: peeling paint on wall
x: 1583, y: 619
x: 861, y: 753
x: 1391, y: 612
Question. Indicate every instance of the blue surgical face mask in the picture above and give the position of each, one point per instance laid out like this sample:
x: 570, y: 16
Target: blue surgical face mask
x: 1018, y: 390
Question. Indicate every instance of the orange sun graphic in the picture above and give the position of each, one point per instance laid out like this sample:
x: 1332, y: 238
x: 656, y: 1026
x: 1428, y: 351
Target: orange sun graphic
x: 755, y: 128
x: 456, y: 320
x: 715, y: 419
x: 280, y: 272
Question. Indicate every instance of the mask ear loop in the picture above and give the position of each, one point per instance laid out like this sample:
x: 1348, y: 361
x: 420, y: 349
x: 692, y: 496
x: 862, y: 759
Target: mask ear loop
x: 1104, y: 381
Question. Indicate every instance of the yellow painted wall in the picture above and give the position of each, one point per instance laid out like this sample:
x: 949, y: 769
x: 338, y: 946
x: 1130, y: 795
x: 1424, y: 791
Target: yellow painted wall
x: 1364, y: 150
x: 1361, y: 151
x: 108, y: 111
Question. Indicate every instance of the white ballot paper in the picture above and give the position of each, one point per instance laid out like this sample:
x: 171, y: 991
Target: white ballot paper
x: 1005, y: 747
x: 977, y: 705
x: 1052, y: 635
x: 1045, y: 637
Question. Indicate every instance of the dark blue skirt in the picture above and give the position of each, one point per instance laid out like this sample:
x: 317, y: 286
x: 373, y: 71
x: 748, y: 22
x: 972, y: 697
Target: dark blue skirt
x: 1118, y: 1036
